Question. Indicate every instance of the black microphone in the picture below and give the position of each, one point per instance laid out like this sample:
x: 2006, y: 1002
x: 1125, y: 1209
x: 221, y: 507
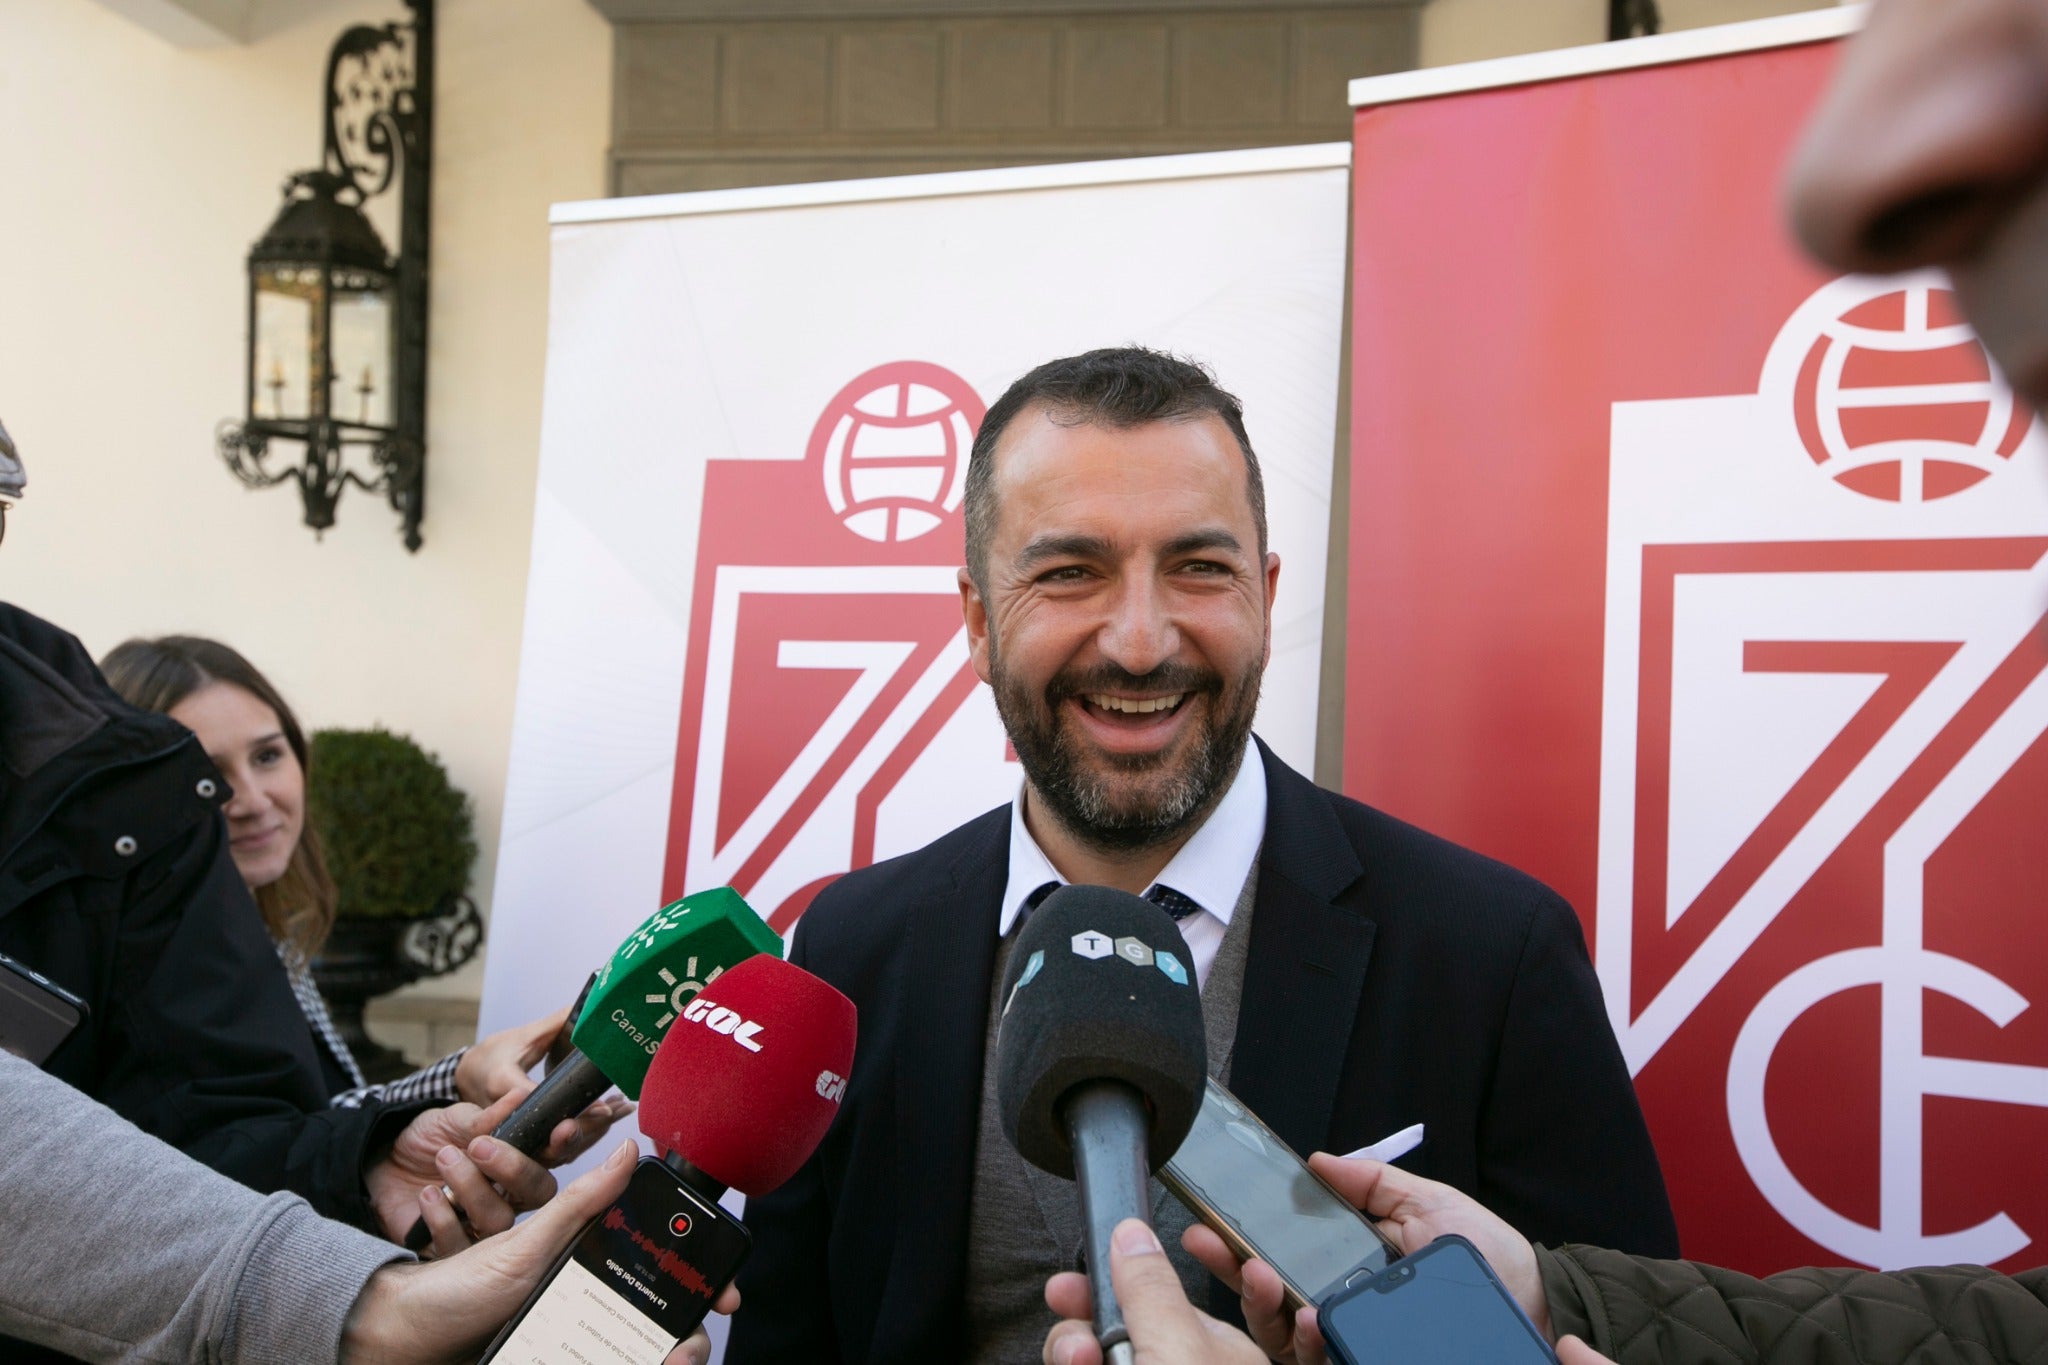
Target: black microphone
x: 1100, y: 1061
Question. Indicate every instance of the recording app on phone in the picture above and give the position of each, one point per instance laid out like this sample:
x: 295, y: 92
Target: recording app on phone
x: 639, y: 1280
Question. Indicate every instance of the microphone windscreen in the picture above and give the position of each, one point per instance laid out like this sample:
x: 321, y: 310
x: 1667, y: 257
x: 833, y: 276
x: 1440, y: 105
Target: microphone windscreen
x: 1100, y: 986
x: 649, y: 978
x: 750, y: 1077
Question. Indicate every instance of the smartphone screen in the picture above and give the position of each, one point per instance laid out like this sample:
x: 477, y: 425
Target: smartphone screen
x: 1441, y: 1305
x: 1232, y: 1170
x: 36, y: 1014
x: 638, y: 1280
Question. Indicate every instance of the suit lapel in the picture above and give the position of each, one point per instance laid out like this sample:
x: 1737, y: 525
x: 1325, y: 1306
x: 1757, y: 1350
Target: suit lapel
x: 940, y: 1038
x: 1304, y: 977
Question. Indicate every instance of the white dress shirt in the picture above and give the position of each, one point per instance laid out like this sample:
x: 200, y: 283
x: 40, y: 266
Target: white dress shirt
x: 1209, y: 870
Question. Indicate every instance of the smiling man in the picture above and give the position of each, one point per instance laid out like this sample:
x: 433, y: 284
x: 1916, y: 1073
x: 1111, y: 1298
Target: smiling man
x: 1359, y: 976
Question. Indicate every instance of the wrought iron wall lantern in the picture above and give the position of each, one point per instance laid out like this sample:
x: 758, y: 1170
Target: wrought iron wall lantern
x: 1633, y: 19
x: 337, y: 325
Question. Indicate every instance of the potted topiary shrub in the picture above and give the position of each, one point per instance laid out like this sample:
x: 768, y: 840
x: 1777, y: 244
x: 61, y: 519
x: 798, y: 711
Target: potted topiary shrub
x: 400, y: 841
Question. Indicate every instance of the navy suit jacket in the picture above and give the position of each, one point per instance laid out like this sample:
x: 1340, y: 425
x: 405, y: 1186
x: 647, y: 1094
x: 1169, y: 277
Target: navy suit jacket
x: 1393, y: 978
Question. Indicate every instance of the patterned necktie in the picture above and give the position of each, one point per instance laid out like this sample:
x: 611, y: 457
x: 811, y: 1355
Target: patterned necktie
x: 1161, y: 895
x: 1171, y: 901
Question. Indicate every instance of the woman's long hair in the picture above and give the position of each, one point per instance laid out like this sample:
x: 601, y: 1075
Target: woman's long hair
x: 297, y: 908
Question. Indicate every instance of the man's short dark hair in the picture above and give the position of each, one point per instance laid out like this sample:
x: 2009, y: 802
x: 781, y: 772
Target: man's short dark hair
x: 1118, y: 387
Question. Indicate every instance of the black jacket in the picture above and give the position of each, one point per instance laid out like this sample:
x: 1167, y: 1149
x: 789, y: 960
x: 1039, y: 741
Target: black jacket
x: 1392, y: 978
x: 115, y: 882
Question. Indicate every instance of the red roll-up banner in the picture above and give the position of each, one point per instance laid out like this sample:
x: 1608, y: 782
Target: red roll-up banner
x: 1710, y: 589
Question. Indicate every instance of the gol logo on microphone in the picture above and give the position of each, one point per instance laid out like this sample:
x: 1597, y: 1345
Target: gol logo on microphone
x: 831, y: 1086
x: 720, y: 1019
x: 1090, y: 944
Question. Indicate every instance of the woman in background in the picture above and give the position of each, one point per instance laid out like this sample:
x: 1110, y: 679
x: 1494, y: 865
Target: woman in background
x: 254, y: 739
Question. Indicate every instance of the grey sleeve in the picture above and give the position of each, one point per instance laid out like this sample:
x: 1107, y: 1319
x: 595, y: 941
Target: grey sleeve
x: 114, y: 1247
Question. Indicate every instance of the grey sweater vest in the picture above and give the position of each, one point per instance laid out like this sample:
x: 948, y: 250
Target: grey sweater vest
x: 1024, y: 1224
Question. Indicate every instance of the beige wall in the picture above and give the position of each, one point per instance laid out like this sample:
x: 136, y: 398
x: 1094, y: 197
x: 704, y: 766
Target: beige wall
x: 784, y: 94
x: 133, y: 177
x: 1680, y: 14
x: 1470, y: 30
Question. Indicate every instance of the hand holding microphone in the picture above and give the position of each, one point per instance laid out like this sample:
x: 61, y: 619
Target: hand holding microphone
x: 639, y: 992
x: 1165, y: 1329
x: 646, y: 984
x: 1101, y: 1061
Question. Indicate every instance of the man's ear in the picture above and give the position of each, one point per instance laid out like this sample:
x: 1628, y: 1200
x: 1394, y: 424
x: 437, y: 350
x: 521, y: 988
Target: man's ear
x: 974, y: 612
x: 1272, y: 586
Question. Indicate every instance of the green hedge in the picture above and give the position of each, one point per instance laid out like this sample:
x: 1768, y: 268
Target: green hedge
x: 400, y: 839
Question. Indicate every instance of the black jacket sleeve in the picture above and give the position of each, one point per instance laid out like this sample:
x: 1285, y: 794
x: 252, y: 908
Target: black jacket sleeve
x: 1563, y: 1149
x: 786, y: 1285
x: 1649, y: 1312
x: 203, y: 1044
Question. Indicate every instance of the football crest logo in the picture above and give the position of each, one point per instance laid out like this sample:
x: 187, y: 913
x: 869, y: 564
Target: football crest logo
x: 825, y: 706
x: 1823, y: 779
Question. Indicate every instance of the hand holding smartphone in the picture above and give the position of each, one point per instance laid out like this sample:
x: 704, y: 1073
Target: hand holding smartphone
x: 1237, y: 1176
x: 635, y: 1283
x: 1442, y: 1305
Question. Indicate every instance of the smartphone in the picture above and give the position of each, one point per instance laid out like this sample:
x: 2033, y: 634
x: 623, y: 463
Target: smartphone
x: 1235, y: 1175
x: 1442, y: 1305
x: 636, y: 1282
x: 36, y: 1014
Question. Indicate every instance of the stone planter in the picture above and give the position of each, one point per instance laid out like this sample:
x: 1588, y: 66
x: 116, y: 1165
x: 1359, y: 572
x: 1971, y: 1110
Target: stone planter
x: 366, y: 958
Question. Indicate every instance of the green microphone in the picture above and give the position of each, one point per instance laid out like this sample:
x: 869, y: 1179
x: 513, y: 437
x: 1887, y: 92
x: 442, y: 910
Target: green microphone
x: 679, y: 951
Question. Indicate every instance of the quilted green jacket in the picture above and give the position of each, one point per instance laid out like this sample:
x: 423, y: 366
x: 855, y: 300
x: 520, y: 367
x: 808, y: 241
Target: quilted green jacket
x: 1644, y: 1312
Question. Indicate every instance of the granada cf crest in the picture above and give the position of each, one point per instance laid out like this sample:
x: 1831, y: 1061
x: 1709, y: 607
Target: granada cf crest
x: 1824, y: 785
x: 826, y: 717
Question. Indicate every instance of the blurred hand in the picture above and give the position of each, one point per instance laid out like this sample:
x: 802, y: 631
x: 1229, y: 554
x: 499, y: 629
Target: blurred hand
x: 1165, y: 1328
x: 491, y: 1181
x: 493, y: 1067
x: 573, y: 1137
x: 497, y: 1066
x: 1572, y: 1351
x: 448, y: 1310
x: 1413, y: 1212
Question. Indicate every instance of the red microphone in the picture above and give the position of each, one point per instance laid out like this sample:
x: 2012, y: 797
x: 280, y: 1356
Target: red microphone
x: 748, y: 1079
x: 740, y: 1092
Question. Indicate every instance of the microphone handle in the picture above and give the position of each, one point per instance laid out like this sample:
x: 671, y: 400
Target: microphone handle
x: 1109, y: 1131
x: 562, y: 1094
x: 573, y: 1086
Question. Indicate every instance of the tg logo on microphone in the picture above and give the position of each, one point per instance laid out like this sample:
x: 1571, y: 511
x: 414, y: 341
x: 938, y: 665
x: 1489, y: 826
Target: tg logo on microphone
x: 1090, y: 944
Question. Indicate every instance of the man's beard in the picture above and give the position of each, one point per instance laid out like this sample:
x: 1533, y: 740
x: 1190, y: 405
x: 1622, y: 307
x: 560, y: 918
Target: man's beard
x: 1080, y: 798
